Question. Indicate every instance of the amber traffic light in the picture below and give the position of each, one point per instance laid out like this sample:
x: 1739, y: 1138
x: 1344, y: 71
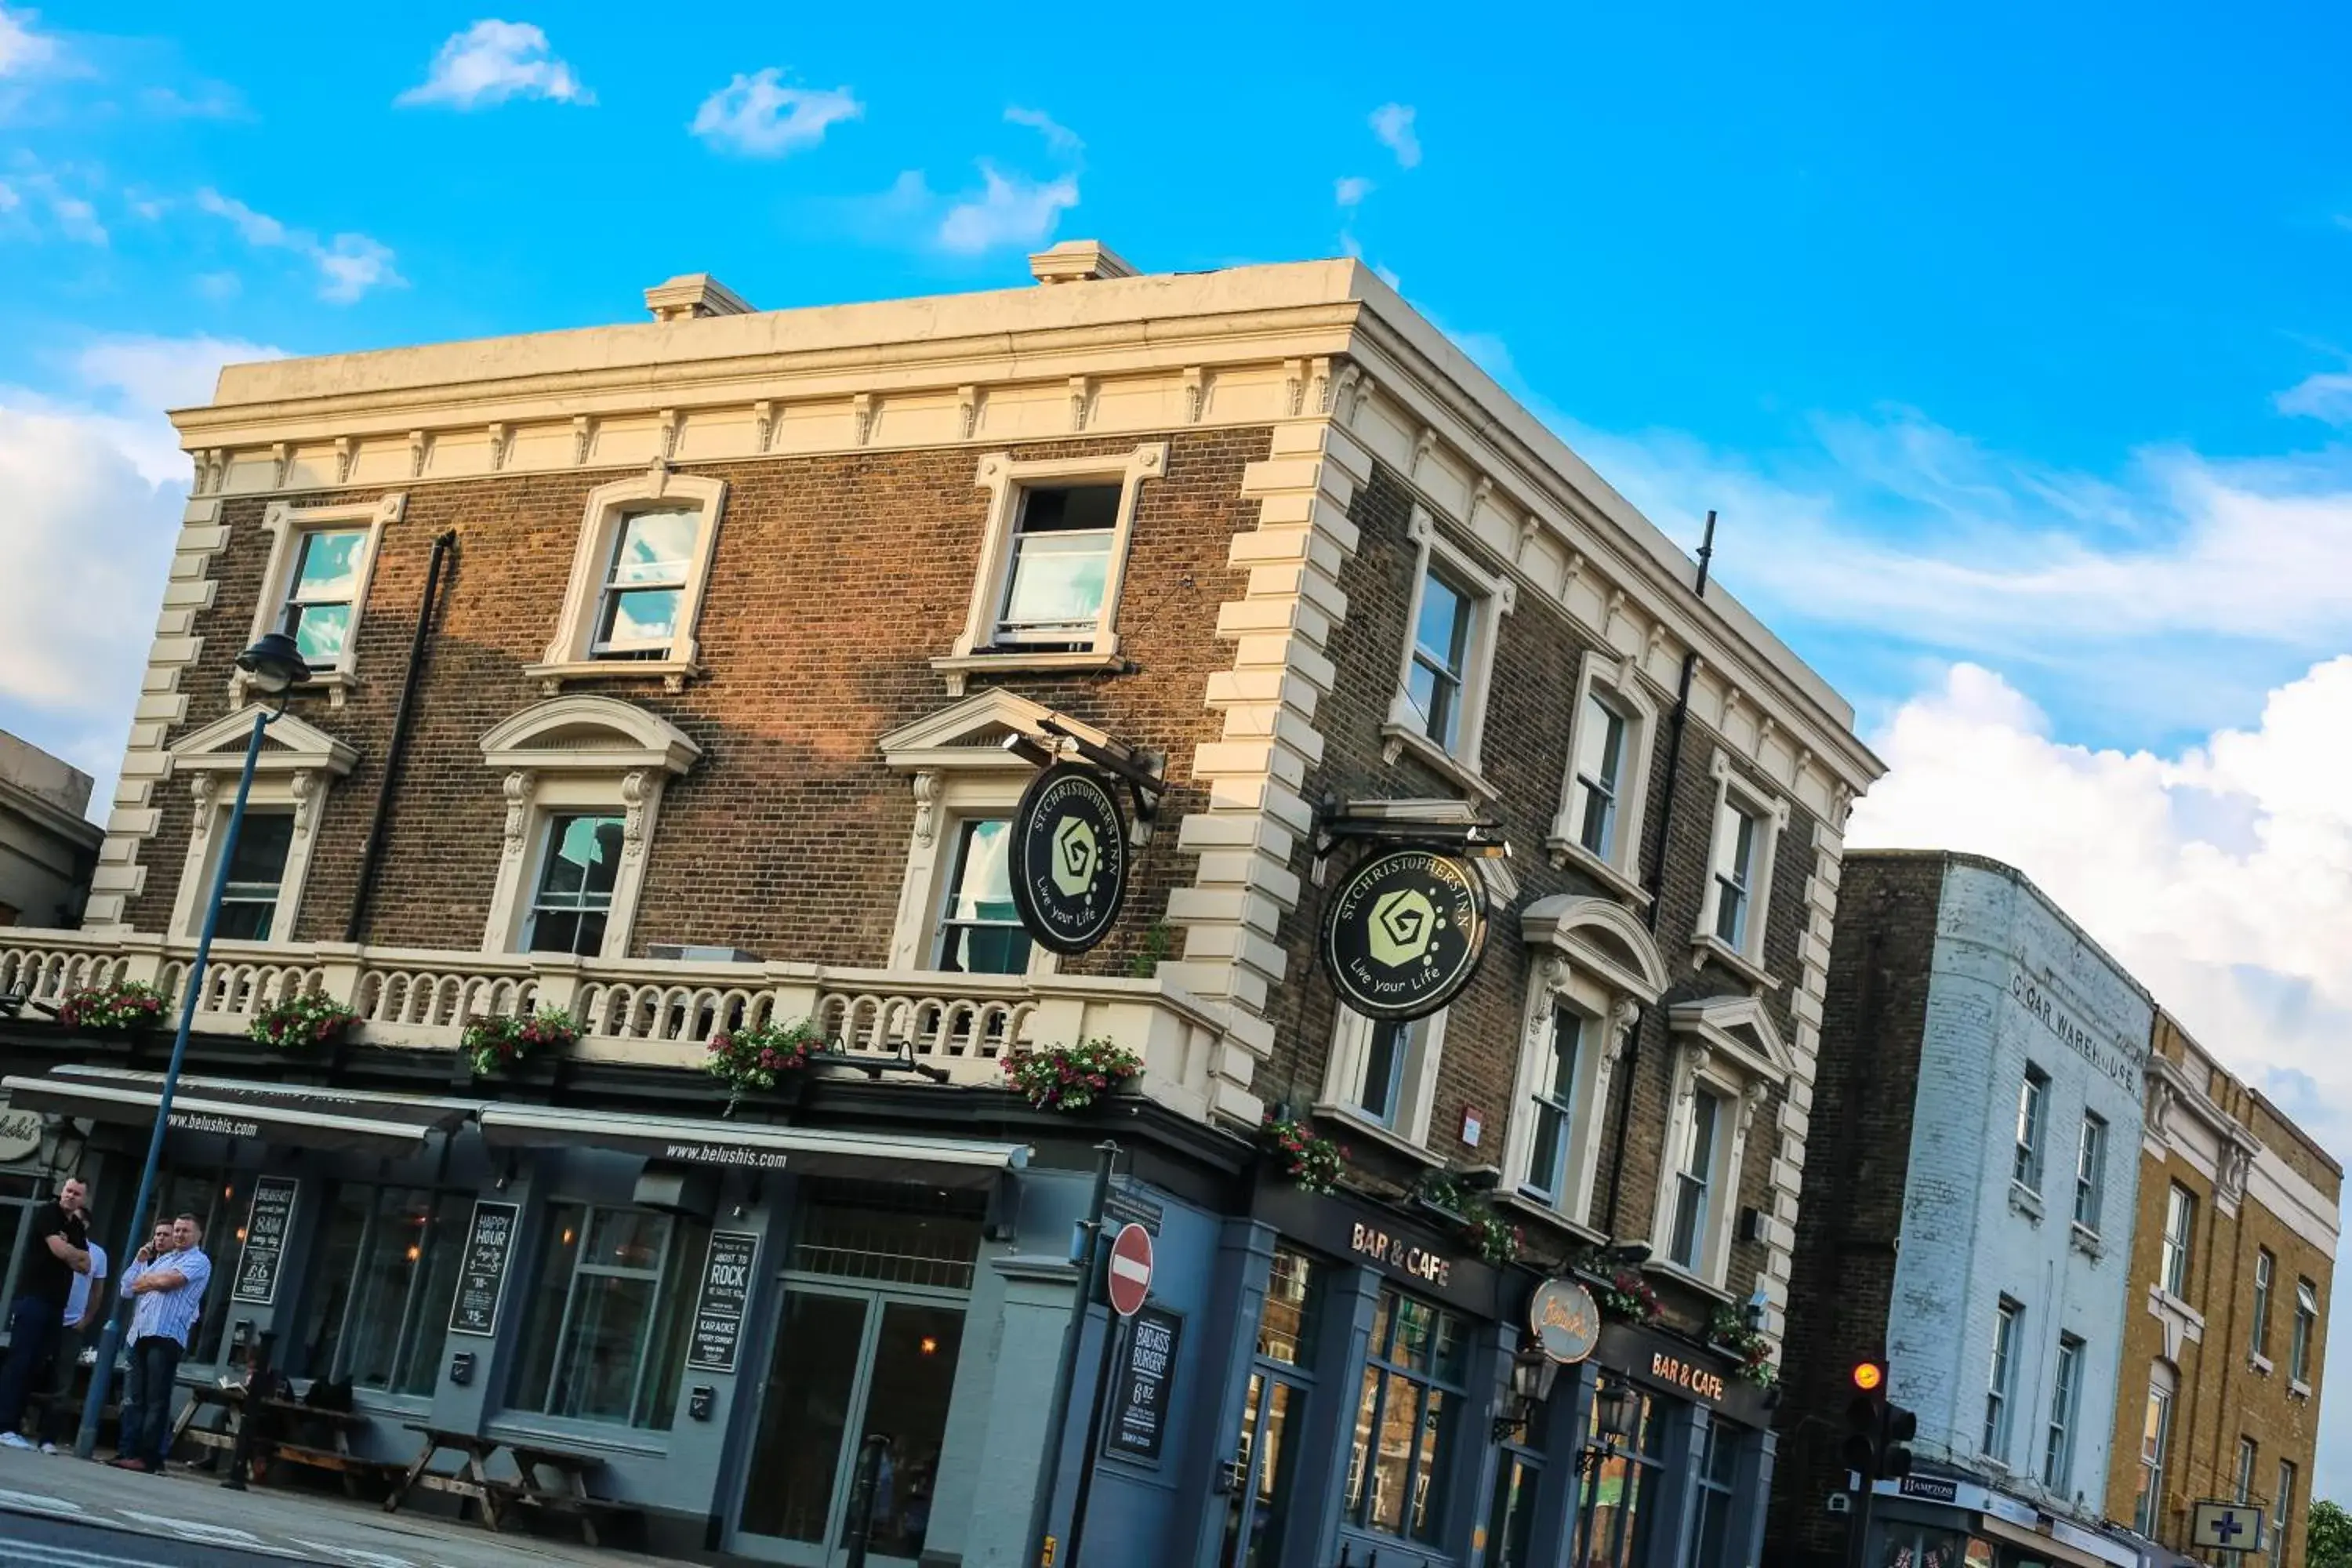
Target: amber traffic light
x: 1876, y: 1430
x: 1869, y: 1377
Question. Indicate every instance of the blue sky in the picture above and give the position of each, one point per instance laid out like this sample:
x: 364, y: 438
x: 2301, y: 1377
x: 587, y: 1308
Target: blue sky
x: 2016, y: 351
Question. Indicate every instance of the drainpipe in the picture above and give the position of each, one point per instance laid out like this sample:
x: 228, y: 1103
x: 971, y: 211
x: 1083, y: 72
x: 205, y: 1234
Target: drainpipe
x: 1658, y: 879
x: 373, y: 853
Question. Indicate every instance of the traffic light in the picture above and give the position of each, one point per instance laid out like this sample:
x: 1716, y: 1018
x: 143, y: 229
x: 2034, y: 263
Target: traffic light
x: 1877, y: 1429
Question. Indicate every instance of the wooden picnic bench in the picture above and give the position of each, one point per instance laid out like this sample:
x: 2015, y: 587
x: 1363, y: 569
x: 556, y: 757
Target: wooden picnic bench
x: 533, y: 1461
x: 335, y: 1456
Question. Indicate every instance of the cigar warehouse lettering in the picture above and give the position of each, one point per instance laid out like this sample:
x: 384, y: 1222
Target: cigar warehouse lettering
x: 1687, y: 1377
x: 2118, y: 1062
x: 1404, y: 932
x: 1068, y: 858
x: 1399, y: 1254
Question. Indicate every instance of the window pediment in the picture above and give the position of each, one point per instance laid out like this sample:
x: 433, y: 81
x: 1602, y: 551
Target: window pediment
x: 288, y: 745
x: 972, y: 733
x: 1737, y: 1027
x: 1601, y: 935
x: 589, y: 735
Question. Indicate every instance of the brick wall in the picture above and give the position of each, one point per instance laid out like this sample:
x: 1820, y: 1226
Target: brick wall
x: 1523, y: 754
x: 835, y: 581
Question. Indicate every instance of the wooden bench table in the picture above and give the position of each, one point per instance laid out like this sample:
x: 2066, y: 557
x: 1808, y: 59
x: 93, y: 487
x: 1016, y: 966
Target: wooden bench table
x: 533, y: 1461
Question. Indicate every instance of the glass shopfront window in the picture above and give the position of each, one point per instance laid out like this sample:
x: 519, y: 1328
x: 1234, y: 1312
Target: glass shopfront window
x: 1406, y: 1415
x: 872, y: 1329
x: 1273, y: 1413
x: 384, y: 1274
x: 608, y: 1328
x: 213, y: 1197
x: 1718, y: 1461
x: 1925, y: 1546
x: 1620, y: 1506
x: 1512, y: 1519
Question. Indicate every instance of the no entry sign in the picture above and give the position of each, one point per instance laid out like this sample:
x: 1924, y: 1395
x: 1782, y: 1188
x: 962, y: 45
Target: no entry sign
x: 1130, y: 1270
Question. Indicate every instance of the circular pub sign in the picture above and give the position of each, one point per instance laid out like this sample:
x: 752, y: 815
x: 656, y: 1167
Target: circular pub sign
x: 1404, y: 932
x: 1565, y: 1321
x: 1069, y: 857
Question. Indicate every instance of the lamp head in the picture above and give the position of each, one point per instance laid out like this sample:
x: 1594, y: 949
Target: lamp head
x: 274, y: 665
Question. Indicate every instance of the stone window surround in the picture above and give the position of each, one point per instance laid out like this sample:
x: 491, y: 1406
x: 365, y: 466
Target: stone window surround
x: 1730, y: 1046
x: 286, y: 524
x: 296, y: 768
x: 1494, y: 593
x: 1771, y: 813
x: 1620, y: 870
x: 1351, y: 1040
x: 627, y: 758
x: 567, y: 658
x: 957, y: 775
x: 1592, y: 958
x: 1004, y: 477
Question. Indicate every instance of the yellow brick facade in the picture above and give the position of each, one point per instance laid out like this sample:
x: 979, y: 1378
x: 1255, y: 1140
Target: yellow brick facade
x: 2256, y: 1184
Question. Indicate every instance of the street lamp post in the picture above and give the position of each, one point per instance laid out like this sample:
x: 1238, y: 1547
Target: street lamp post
x: 273, y: 668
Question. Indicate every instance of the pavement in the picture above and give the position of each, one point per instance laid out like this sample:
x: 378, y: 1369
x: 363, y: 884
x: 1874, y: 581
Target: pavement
x: 57, y: 1511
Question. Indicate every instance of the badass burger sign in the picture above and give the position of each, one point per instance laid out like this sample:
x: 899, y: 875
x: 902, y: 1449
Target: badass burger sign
x: 1068, y: 858
x: 1404, y: 932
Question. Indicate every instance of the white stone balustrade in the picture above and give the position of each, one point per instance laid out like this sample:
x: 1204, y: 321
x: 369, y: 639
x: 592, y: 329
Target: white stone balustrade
x: 652, y: 1011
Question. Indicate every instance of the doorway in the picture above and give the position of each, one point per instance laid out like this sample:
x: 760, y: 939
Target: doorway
x: 1271, y: 1417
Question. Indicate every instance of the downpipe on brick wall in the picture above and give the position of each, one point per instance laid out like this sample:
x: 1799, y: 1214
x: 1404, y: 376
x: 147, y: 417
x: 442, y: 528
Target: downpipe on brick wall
x: 1658, y: 879
x: 371, y: 852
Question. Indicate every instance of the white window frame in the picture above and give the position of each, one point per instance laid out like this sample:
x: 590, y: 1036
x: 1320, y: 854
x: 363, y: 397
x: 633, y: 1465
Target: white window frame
x: 2000, y: 1381
x: 1613, y: 682
x: 1729, y: 1046
x: 1492, y: 595
x: 287, y: 526
x: 1593, y: 958
x: 1004, y: 477
x: 2176, y: 1258
x: 2091, y: 1182
x: 295, y: 771
x: 570, y: 655
x: 2161, y: 1393
x: 1351, y: 1054
x: 570, y: 755
x: 2242, y: 1484
x: 2065, y: 1415
x: 958, y: 769
x: 2282, y: 1510
x: 2303, y: 1332
x: 2029, y: 1161
x: 1770, y: 813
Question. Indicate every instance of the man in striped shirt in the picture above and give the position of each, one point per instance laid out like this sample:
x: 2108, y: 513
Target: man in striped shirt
x: 169, y: 1290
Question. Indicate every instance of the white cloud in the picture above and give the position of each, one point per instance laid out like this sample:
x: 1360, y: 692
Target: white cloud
x: 1058, y: 137
x: 95, y: 481
x: 1351, y: 190
x: 1009, y: 209
x: 24, y: 51
x: 492, y: 62
x: 77, y: 219
x: 349, y: 265
x: 759, y: 116
x: 10, y: 200
x: 1392, y: 123
x: 2326, y: 396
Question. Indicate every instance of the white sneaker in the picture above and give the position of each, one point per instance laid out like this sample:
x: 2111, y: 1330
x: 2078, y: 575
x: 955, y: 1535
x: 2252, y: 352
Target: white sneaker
x: 50, y: 1449
x: 13, y: 1440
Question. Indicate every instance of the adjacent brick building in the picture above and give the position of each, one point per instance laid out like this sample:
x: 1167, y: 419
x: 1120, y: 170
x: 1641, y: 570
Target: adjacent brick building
x: 2227, y: 1307
x: 706, y: 716
x: 1969, y: 1218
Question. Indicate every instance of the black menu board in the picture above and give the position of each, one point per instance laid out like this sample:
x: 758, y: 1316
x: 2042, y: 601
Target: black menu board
x: 1140, y: 1394
x: 265, y: 1225
x: 488, y: 1247
x: 725, y: 1295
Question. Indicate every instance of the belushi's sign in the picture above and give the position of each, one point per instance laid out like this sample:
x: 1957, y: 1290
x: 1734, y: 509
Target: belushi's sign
x: 1069, y: 857
x: 1404, y: 932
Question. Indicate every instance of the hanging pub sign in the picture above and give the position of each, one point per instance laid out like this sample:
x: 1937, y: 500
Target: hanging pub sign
x: 1068, y: 858
x: 1565, y: 1321
x: 1404, y: 932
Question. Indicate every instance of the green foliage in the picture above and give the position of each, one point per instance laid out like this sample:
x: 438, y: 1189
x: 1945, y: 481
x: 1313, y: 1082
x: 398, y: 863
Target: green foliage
x: 2327, y: 1538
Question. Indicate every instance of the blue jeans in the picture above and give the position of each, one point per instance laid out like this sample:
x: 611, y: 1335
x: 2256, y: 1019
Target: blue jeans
x: 33, y: 1325
x: 147, y: 1390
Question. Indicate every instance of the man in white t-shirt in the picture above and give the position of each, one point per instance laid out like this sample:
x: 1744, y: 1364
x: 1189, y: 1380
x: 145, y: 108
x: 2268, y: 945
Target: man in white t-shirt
x: 84, y: 1303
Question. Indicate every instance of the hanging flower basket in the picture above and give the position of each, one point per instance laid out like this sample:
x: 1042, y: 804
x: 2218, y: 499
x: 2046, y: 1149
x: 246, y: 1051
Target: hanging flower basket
x: 307, y: 1022
x: 1068, y: 1077
x: 500, y: 1042
x: 1496, y: 1240
x: 1726, y: 1331
x: 756, y: 1056
x: 1312, y: 1161
x: 1627, y: 1298
x: 117, y: 1007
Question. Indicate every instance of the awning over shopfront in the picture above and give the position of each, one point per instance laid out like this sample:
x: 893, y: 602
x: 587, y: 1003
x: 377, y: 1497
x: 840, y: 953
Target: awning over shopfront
x: 2069, y: 1544
x: 349, y: 1120
x: 803, y: 1152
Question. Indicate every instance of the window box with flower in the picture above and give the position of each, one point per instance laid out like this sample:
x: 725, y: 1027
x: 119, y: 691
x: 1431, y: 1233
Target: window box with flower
x: 117, y: 1007
x: 1496, y: 1240
x: 304, y: 1021
x: 758, y: 1056
x: 1623, y: 1295
x: 502, y: 1042
x: 1068, y: 1077
x: 1726, y: 1329
x: 1312, y: 1161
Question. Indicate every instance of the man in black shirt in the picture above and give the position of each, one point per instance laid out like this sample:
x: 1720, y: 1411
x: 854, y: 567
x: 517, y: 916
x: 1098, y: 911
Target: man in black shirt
x: 58, y: 1250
